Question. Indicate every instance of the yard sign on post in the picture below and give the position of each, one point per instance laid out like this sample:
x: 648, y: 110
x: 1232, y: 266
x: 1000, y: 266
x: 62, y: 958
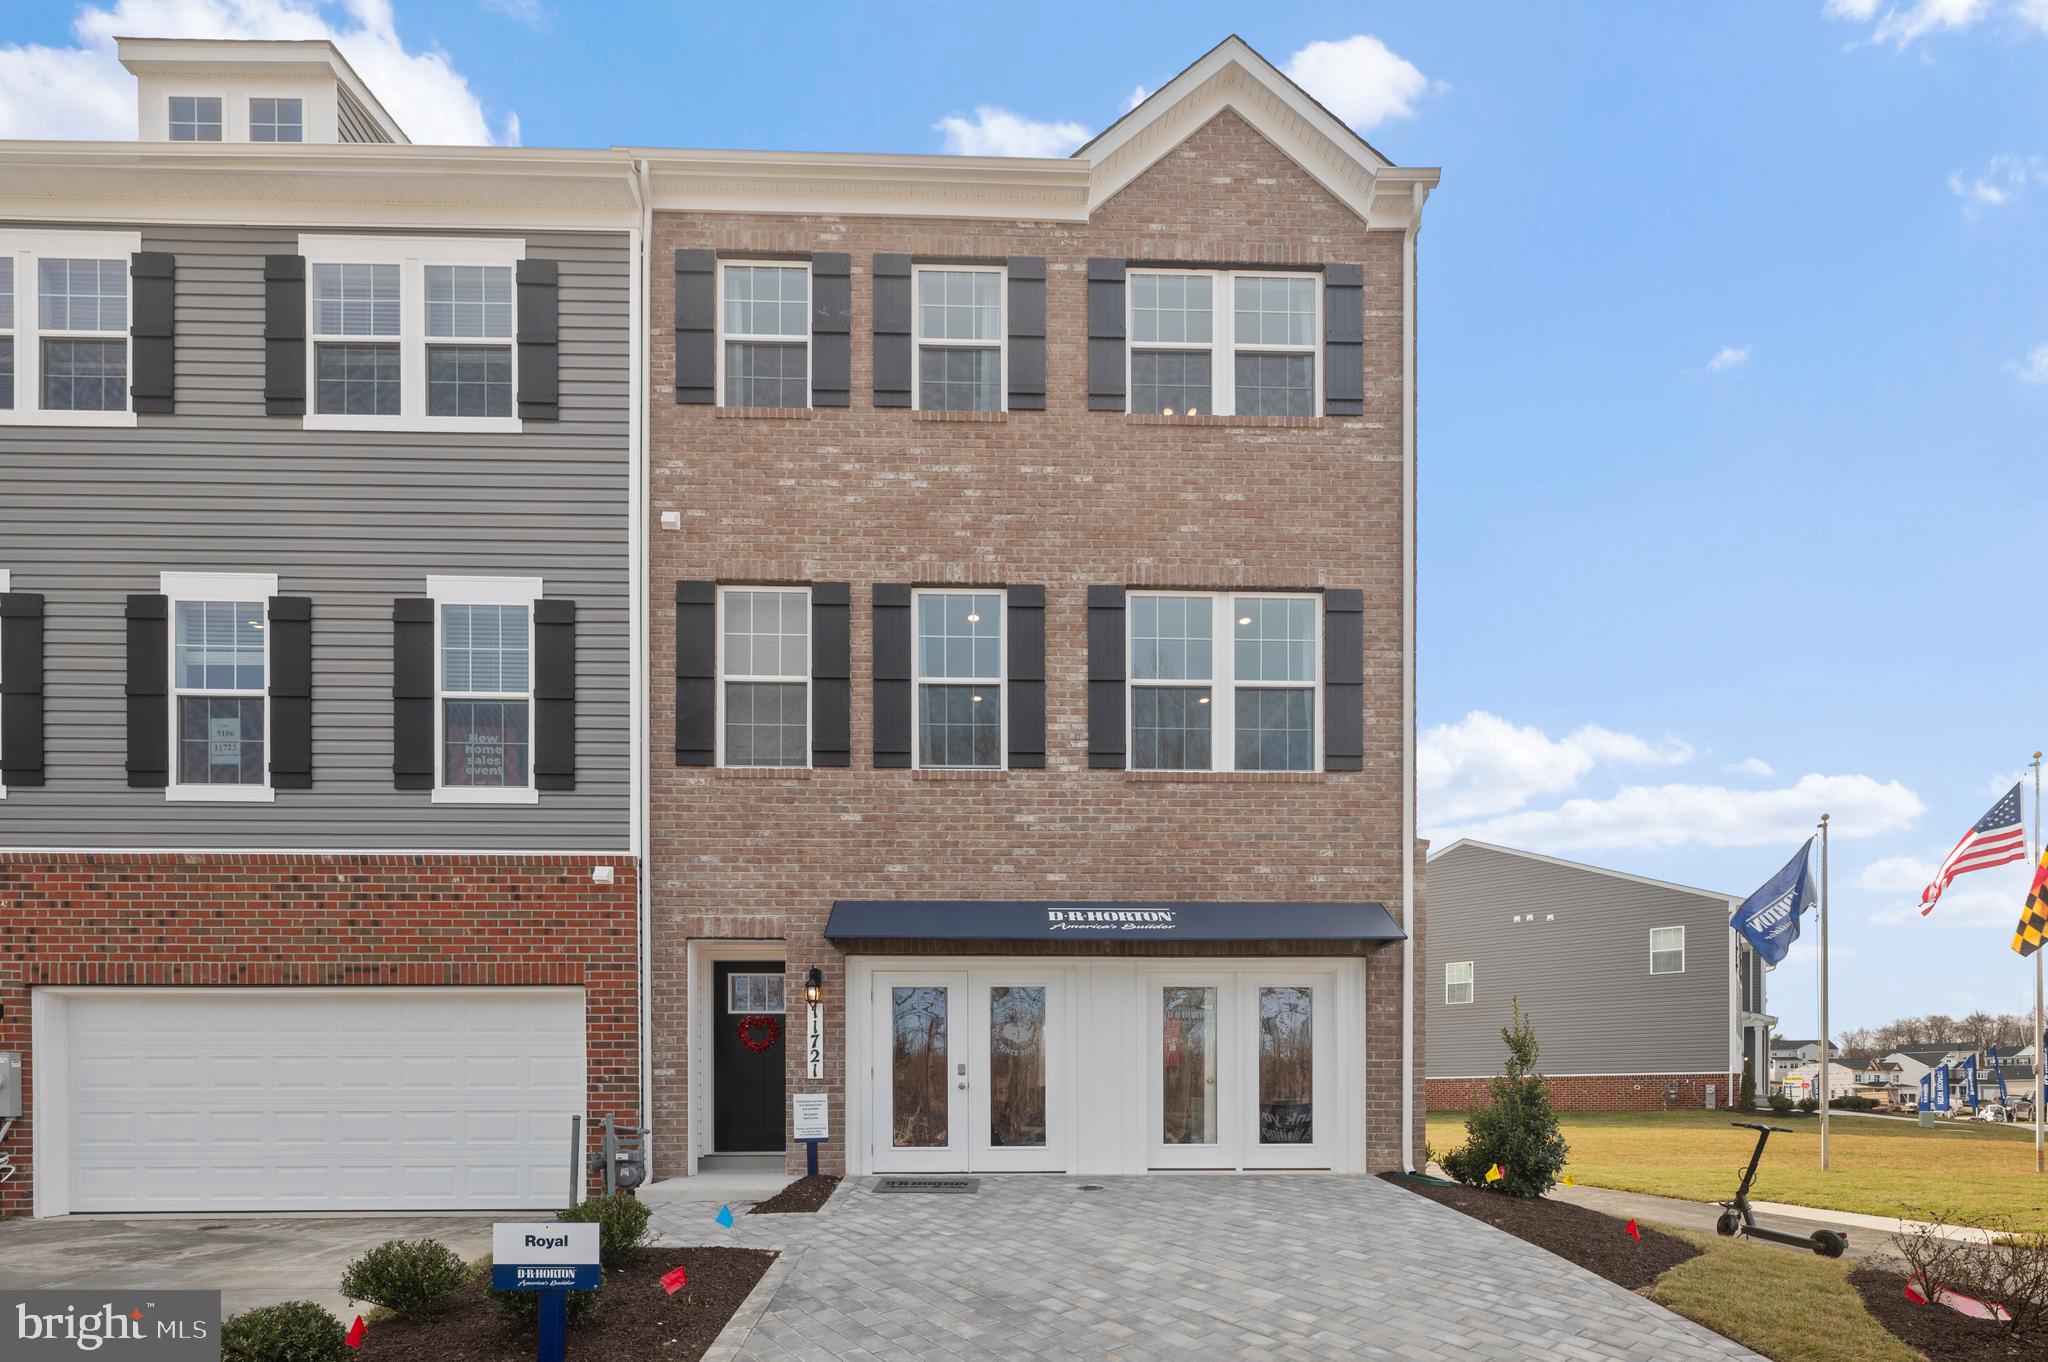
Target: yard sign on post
x: 811, y: 1122
x: 553, y: 1259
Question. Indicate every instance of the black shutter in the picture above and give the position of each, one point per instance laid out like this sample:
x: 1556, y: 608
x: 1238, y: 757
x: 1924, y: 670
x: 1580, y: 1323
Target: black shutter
x: 1344, y: 341
x: 284, y: 335
x: 1106, y: 678
x: 696, y: 673
x: 696, y: 328
x: 291, y: 692
x: 1027, y: 333
x: 1106, y: 337
x: 149, y: 679
x: 831, y: 674
x: 151, y: 329
x: 892, y: 675
x: 831, y: 329
x: 892, y: 334
x: 21, y: 689
x: 1343, y: 680
x: 554, y: 695
x: 540, y: 340
x: 412, y: 693
x: 1027, y: 677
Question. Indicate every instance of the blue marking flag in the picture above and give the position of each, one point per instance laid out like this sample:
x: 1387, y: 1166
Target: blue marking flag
x: 724, y: 1217
x: 1769, y: 918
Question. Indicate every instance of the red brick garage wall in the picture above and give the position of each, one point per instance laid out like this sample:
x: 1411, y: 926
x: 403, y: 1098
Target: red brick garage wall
x: 1597, y: 1092
x: 268, y: 920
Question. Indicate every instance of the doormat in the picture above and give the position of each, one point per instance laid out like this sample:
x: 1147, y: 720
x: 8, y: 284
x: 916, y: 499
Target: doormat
x: 967, y: 1185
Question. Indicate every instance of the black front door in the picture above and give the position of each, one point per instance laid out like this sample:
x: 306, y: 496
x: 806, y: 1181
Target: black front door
x: 749, y: 1052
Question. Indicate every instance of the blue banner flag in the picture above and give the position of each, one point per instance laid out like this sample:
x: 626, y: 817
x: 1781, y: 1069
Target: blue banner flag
x: 1970, y: 1079
x: 1998, y: 1072
x: 1769, y: 918
x: 1927, y: 1091
x: 1941, y: 1087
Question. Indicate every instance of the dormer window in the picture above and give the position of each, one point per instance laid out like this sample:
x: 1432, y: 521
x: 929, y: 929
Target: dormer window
x: 277, y: 120
x: 195, y: 118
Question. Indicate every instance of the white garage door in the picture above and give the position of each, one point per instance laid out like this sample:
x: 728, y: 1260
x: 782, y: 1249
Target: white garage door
x: 347, y: 1099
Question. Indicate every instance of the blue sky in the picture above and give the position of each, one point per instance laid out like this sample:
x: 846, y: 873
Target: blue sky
x: 1734, y: 370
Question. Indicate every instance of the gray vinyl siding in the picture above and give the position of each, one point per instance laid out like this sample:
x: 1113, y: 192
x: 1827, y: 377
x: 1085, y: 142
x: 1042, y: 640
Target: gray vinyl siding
x: 351, y: 520
x: 1583, y: 978
x: 354, y: 122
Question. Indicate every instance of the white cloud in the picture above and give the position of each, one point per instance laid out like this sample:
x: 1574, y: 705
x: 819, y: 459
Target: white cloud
x: 1729, y: 357
x: 1139, y: 94
x: 2032, y: 369
x: 2033, y: 13
x: 80, y: 91
x: 1754, y: 766
x: 2005, y: 177
x: 528, y: 12
x: 1485, y: 765
x: 1901, y: 24
x: 1982, y: 898
x: 1712, y: 815
x: 1359, y: 79
x: 1859, y: 10
x: 998, y: 132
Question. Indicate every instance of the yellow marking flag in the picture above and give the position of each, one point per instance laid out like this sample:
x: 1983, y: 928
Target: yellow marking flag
x: 1494, y: 1174
x: 1568, y: 1181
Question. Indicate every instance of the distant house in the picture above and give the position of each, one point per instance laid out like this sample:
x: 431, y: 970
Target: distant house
x: 1642, y: 995
x: 1788, y: 1053
x: 1801, y: 1082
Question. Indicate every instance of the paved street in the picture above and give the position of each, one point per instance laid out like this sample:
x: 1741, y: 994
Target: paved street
x: 1299, y: 1268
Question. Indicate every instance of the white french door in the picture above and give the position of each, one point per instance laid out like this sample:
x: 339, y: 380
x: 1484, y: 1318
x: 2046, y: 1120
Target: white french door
x: 1240, y: 1067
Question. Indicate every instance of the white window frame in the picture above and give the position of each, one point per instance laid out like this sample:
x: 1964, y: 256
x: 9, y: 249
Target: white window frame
x: 1451, y: 981
x: 1654, y: 952
x: 751, y: 337
x: 1001, y: 680
x: 781, y: 1011
x: 1223, y: 684
x: 446, y: 591
x: 412, y: 255
x: 214, y: 95
x: 249, y: 118
x: 28, y: 250
x: 1222, y: 346
x: 1002, y: 343
x: 215, y: 586
x: 6, y: 585
x: 810, y: 667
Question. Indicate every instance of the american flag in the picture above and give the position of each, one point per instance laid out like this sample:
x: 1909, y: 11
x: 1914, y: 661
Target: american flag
x: 1999, y: 838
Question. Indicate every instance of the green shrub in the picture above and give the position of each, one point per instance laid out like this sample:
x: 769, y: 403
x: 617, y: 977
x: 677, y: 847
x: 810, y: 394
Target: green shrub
x: 1780, y: 1102
x: 1517, y: 1130
x: 1852, y: 1104
x: 295, y: 1331
x: 411, y: 1276
x: 523, y: 1307
x: 621, y: 1226
x: 1745, y: 1100
x: 1809, y: 1104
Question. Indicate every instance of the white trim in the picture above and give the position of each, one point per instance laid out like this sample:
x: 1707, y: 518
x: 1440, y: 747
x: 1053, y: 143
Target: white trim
x: 1471, y: 989
x: 1408, y: 828
x: 698, y: 955
x: 412, y: 256
x: 1001, y: 680
x: 198, y: 587
x: 1654, y: 952
x: 721, y: 335
x: 1223, y: 346
x: 1732, y: 899
x: 216, y: 586
x: 1222, y: 682
x: 761, y: 678
x: 27, y: 249
x: 486, y: 590
x: 919, y: 342
x: 640, y: 762
x: 447, y: 591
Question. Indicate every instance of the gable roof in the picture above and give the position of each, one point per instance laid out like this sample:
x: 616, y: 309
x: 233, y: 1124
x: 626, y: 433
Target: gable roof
x: 1436, y: 856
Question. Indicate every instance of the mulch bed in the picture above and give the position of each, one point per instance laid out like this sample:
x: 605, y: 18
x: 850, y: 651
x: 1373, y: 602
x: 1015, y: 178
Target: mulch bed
x: 637, y: 1319
x: 805, y: 1194
x: 1599, y: 1243
x: 1938, y: 1331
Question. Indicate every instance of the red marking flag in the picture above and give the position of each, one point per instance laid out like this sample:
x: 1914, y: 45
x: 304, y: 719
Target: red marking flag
x: 355, y: 1333
x: 672, y: 1281
x: 1634, y: 1233
x: 1998, y: 838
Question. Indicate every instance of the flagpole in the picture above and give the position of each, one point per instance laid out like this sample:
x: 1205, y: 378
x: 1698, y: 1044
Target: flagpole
x: 2040, y: 1090
x: 1824, y: 1046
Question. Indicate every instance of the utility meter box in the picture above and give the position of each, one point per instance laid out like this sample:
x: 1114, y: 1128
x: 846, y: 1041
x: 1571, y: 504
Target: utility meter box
x: 10, y: 1085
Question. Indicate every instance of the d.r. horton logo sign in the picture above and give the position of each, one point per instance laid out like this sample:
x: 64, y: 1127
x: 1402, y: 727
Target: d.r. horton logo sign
x: 118, y: 1326
x: 1110, y: 919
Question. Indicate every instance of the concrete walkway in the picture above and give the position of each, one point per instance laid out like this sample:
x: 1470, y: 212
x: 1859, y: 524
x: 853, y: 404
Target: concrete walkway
x: 1870, y: 1236
x: 1301, y: 1268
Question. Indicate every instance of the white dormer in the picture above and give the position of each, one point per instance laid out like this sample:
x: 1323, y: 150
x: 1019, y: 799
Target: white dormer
x: 251, y: 90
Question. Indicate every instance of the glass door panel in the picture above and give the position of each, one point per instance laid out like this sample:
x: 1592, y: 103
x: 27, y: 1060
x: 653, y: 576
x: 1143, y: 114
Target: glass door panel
x: 922, y: 1080
x: 1020, y: 1062
x: 1286, y: 1064
x: 1288, y: 1120
x: 1016, y: 1067
x: 1192, y: 1087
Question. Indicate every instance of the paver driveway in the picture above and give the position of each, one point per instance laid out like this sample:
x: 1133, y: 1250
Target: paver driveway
x: 1305, y: 1268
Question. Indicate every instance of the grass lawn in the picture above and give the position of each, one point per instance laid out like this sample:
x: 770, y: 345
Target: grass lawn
x: 1890, y: 1168
x: 1809, y: 1313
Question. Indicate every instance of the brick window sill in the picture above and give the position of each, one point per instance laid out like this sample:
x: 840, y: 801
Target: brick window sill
x: 1259, y: 422
x: 959, y: 773
x: 762, y: 772
x: 1227, y: 777
x: 964, y: 417
x: 763, y: 413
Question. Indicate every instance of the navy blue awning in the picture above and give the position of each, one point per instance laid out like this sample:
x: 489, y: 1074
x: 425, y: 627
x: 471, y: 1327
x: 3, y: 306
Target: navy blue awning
x: 1072, y: 920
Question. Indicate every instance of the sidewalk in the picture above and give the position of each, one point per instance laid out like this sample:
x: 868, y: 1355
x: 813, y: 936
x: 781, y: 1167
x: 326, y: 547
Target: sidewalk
x: 1870, y: 1236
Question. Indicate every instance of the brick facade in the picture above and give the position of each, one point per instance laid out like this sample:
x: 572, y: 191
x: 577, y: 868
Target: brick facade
x: 1065, y: 498
x: 1601, y: 1092
x: 322, y: 920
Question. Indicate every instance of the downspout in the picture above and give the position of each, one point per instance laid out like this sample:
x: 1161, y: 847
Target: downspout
x: 639, y: 384
x: 1408, y: 680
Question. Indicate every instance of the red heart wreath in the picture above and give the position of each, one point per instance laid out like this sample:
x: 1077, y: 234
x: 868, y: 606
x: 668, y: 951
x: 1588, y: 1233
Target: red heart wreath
x: 758, y: 1033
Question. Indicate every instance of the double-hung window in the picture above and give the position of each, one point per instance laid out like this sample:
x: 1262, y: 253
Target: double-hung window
x: 484, y: 671
x: 195, y: 118
x: 1223, y: 682
x: 764, y: 675
x: 277, y: 120
x: 1667, y: 950
x: 959, y: 338
x: 1224, y: 343
x: 220, y: 683
x: 766, y: 350
x: 959, y: 678
x: 1458, y: 982
x: 412, y: 334
x: 64, y: 327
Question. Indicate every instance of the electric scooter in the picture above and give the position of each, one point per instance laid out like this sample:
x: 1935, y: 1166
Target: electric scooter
x: 1738, y: 1219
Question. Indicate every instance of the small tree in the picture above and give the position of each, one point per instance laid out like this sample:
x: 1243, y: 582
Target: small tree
x: 1746, y: 1099
x: 1517, y: 1130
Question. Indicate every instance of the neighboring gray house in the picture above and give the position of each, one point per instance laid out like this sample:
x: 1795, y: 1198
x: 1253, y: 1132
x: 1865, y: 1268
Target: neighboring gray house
x: 1641, y: 993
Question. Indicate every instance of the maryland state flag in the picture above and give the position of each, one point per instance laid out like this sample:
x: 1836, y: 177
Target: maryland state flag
x: 2033, y: 928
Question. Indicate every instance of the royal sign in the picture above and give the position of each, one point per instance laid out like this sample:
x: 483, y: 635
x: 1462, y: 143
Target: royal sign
x: 544, y: 1256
